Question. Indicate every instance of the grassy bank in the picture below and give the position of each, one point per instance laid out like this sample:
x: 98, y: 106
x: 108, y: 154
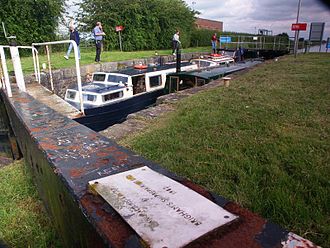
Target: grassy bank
x: 88, y: 57
x: 23, y: 221
x: 263, y: 142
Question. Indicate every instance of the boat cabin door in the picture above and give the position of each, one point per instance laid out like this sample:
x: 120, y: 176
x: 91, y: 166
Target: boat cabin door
x: 173, y: 84
x: 139, y: 84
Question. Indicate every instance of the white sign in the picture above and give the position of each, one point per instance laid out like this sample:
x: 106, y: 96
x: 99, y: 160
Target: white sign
x: 255, y: 37
x: 316, y: 31
x: 162, y: 211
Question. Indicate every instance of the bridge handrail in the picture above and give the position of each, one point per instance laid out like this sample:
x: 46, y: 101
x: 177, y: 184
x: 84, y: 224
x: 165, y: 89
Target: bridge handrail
x: 75, y: 49
x: 5, y: 69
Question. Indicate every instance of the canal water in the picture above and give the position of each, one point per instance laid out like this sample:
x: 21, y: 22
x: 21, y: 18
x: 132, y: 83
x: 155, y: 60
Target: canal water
x: 5, y: 147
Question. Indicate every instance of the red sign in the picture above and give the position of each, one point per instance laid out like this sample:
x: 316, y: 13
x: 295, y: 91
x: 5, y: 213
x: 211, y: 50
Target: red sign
x: 299, y: 26
x: 119, y: 28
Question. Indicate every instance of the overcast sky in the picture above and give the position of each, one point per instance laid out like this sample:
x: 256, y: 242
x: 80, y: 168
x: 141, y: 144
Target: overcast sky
x: 251, y: 15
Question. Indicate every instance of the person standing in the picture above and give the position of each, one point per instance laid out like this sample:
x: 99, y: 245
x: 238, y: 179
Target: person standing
x: 241, y: 53
x: 214, y: 43
x: 74, y: 35
x: 98, y: 36
x: 176, y: 42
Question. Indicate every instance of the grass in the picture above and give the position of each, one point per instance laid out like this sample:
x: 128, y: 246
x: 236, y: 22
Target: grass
x: 23, y: 221
x: 262, y: 142
x: 88, y: 57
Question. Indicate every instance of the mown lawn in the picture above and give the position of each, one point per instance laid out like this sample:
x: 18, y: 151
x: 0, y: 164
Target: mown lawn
x: 88, y: 57
x: 262, y: 142
x: 23, y: 221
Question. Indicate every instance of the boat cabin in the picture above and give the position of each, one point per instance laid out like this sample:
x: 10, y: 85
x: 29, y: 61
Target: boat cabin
x: 110, y: 87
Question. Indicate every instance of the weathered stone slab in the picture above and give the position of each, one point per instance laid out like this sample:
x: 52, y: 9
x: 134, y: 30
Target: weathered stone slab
x: 162, y: 211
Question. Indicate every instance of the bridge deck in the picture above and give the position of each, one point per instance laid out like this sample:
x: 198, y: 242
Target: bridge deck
x: 53, y: 101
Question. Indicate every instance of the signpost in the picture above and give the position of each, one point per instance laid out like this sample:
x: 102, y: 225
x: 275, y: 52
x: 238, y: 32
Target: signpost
x: 119, y: 29
x: 316, y: 32
x: 224, y: 39
x: 299, y: 27
x: 296, y: 36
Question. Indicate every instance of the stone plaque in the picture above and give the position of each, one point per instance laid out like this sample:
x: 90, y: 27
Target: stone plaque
x: 162, y: 211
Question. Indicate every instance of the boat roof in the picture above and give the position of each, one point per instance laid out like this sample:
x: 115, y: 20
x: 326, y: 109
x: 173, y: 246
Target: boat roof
x: 135, y: 72
x: 98, y: 88
x: 214, y: 73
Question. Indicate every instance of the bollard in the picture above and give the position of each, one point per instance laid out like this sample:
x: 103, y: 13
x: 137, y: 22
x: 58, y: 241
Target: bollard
x: 226, y: 81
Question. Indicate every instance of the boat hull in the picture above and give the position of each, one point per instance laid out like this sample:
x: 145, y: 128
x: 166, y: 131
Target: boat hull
x: 103, y: 117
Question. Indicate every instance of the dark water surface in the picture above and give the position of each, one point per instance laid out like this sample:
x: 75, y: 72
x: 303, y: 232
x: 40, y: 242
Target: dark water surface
x: 5, y: 147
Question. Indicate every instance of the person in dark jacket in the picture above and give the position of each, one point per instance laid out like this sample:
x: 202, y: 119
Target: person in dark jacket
x: 74, y: 35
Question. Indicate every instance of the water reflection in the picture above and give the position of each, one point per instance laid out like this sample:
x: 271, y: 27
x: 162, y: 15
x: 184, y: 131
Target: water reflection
x: 5, y: 148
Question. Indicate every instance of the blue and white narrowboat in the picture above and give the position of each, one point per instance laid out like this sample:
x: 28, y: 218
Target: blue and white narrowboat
x: 111, y: 96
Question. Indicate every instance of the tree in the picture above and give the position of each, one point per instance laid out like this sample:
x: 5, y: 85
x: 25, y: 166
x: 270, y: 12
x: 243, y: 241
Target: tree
x: 285, y: 36
x: 30, y: 20
x: 149, y: 24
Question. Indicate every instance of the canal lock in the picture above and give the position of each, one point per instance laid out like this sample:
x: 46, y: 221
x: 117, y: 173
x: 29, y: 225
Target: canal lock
x: 8, y: 145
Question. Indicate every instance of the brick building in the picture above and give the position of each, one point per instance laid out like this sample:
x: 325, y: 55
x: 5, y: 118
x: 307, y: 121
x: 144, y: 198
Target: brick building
x: 209, y: 24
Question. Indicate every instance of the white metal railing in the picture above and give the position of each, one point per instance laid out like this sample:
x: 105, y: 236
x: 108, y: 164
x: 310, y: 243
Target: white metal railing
x: 75, y: 49
x: 17, y: 67
x: 255, y: 42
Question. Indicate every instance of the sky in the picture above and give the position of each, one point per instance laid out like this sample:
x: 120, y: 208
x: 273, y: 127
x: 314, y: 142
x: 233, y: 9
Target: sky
x: 251, y: 15
x: 276, y: 15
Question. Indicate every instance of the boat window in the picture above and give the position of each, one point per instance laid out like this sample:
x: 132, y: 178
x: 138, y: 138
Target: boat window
x: 117, y: 79
x: 71, y: 94
x: 155, y: 81
x: 89, y: 98
x: 99, y: 77
x: 113, y: 96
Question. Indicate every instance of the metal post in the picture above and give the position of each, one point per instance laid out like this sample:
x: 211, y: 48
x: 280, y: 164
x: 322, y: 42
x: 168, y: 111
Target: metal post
x: 5, y: 71
x: 120, y: 45
x: 17, y: 67
x: 289, y: 44
x: 296, y: 37
x: 274, y: 42
x: 75, y: 48
x: 34, y: 64
x: 37, y: 64
x: 50, y: 69
x: 263, y: 42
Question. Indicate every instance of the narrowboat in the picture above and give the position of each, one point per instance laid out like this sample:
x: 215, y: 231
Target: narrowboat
x: 111, y: 96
